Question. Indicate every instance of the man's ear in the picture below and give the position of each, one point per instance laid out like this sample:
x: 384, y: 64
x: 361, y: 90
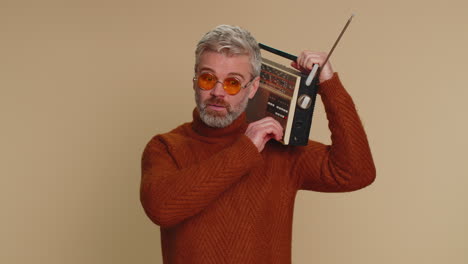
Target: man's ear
x: 255, y: 85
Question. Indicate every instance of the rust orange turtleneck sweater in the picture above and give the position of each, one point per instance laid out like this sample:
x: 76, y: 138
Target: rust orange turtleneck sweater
x: 218, y: 200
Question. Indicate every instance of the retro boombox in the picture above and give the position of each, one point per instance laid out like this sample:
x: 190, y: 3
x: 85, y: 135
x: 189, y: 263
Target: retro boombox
x: 287, y: 95
x: 284, y: 95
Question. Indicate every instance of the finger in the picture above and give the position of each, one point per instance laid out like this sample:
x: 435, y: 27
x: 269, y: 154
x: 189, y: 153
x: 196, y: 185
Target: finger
x: 314, y: 59
x: 307, y: 55
x: 270, y: 122
x: 265, y: 127
x: 302, y: 57
x: 262, y: 144
x: 263, y: 121
x: 259, y: 138
x: 270, y: 130
x: 295, y: 65
x: 274, y: 131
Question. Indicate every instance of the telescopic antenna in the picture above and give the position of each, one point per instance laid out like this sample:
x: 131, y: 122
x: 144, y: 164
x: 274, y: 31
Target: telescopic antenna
x: 315, y: 69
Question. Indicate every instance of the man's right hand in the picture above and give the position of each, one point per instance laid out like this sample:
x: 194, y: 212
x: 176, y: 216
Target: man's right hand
x: 263, y: 130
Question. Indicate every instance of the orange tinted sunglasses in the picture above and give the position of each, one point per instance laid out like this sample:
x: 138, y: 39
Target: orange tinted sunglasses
x: 232, y: 85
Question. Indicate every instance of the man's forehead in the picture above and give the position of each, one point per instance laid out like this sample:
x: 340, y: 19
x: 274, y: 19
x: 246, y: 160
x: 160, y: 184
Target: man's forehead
x: 214, y: 71
x: 224, y: 53
x: 229, y: 63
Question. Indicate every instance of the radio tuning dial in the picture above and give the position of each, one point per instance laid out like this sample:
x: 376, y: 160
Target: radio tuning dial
x: 304, y: 101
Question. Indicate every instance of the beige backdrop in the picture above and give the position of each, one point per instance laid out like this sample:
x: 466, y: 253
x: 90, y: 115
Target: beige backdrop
x: 86, y: 83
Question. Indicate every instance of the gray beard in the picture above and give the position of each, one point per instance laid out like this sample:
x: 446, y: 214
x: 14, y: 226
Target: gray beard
x: 212, y: 119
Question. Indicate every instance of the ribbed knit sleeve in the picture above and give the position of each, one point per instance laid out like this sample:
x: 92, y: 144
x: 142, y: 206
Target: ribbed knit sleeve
x: 347, y: 164
x: 173, y: 189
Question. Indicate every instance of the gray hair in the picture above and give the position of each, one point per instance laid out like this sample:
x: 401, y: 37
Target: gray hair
x: 231, y: 40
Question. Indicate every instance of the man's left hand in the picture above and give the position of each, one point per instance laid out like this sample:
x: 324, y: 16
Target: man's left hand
x: 308, y: 58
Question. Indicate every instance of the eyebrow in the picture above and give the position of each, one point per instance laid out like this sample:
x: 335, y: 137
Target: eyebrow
x: 229, y: 74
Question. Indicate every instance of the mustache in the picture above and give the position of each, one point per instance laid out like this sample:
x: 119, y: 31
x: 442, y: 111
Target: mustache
x: 217, y: 101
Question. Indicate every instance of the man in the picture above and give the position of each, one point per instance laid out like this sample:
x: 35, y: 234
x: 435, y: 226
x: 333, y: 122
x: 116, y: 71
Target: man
x: 222, y: 190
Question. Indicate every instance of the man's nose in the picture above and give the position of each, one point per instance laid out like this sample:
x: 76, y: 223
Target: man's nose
x: 218, y: 89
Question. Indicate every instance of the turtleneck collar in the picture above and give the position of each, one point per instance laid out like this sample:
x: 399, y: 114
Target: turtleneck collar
x: 237, y: 127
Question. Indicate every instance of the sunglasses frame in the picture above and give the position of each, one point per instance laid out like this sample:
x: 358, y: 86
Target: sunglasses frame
x: 222, y: 83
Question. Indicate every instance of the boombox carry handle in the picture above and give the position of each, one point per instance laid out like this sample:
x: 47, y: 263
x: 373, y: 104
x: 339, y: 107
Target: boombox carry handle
x: 278, y: 52
x: 313, y: 72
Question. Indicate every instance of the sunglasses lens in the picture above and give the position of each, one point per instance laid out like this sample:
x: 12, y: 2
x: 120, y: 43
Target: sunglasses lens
x: 232, y: 85
x: 207, y: 81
